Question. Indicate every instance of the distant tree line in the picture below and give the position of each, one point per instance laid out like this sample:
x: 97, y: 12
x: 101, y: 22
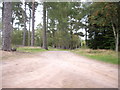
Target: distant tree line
x: 61, y: 26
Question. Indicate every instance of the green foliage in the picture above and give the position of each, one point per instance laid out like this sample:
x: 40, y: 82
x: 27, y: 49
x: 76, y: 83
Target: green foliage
x: 17, y: 13
x: 100, y: 18
x: 101, y: 38
x: 39, y: 36
x: 62, y: 24
x: 65, y: 20
x: 17, y: 37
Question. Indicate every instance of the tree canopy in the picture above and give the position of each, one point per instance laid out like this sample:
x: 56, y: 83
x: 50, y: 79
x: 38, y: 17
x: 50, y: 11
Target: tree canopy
x: 65, y: 23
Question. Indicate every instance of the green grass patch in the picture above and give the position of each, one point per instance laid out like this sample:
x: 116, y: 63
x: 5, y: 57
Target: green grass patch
x: 108, y: 56
x: 56, y: 49
x: 37, y: 49
x: 30, y: 49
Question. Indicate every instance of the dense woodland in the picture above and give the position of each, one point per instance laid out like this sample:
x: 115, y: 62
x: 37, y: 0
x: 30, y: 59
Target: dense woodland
x: 61, y: 26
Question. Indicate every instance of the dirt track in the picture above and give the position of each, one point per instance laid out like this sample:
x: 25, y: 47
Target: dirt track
x: 58, y: 69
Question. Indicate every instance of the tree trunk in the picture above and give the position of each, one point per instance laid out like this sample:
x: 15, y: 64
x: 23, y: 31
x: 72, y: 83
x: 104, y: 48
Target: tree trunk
x: 117, y: 42
x: 18, y: 27
x: 29, y: 28
x: 46, y: 20
x: 44, y: 27
x: 7, y: 27
x: 71, y: 36
x: 2, y: 14
x: 33, y: 21
x: 116, y: 35
x: 86, y: 37
x: 2, y: 24
x: 24, y: 32
x: 119, y: 27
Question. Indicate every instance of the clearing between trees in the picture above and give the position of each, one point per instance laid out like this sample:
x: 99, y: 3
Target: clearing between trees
x: 57, y: 69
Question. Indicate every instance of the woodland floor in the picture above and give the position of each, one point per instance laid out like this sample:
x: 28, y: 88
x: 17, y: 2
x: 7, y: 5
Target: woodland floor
x: 56, y: 69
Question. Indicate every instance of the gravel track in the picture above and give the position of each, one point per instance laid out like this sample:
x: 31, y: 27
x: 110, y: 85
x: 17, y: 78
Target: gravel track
x: 58, y: 69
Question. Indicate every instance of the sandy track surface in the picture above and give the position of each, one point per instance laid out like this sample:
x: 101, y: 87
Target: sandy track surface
x: 58, y: 69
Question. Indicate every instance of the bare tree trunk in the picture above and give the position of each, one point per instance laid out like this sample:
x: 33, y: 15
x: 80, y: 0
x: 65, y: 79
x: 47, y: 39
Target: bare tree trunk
x: 7, y: 27
x: 18, y: 27
x: 44, y: 27
x: 24, y: 32
x: 116, y: 35
x: 1, y: 37
x: 117, y: 42
x: 2, y: 14
x: 33, y: 21
x: 118, y: 27
x: 71, y: 36
x: 29, y: 28
x: 86, y: 37
x: 46, y: 20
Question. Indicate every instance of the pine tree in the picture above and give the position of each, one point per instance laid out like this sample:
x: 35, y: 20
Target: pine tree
x: 7, y: 26
x: 44, y: 27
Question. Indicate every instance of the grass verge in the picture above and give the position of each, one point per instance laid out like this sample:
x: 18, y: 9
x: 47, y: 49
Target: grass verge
x: 108, y: 56
x: 30, y: 49
x: 37, y: 49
